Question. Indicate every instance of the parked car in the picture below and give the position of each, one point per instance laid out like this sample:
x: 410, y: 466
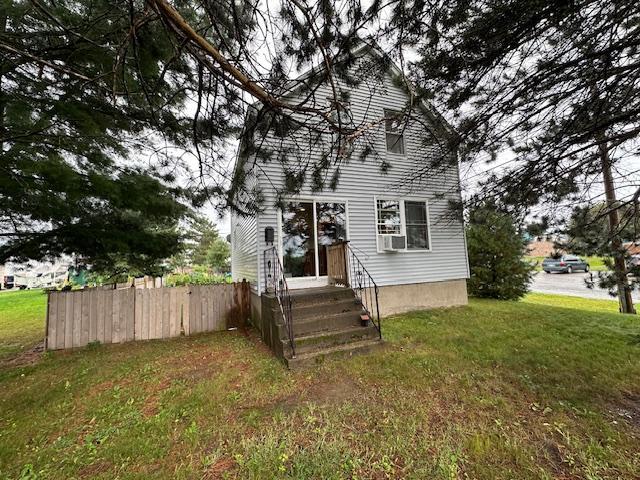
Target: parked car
x: 8, y: 282
x: 565, y: 264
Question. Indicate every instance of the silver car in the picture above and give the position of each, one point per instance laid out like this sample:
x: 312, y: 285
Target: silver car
x: 565, y: 264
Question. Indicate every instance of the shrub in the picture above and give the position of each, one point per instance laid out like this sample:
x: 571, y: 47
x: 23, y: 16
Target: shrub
x: 496, y: 255
x: 195, y: 278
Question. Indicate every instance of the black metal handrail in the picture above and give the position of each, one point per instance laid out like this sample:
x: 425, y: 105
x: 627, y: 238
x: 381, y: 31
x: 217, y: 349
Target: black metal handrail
x: 274, y: 278
x: 364, y: 287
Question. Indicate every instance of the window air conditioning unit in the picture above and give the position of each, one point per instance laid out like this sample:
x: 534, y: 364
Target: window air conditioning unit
x: 393, y: 243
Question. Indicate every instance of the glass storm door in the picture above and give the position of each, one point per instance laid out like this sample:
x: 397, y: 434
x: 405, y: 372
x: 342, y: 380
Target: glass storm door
x: 308, y: 228
x: 331, y: 228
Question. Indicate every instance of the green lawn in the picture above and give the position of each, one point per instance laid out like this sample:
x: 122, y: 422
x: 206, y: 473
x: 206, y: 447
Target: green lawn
x: 22, y: 318
x: 595, y: 263
x: 544, y: 388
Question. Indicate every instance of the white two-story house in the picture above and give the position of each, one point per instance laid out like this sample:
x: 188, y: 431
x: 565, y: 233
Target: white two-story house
x: 391, y: 211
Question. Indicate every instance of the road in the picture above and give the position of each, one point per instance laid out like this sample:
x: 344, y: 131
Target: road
x: 570, y: 284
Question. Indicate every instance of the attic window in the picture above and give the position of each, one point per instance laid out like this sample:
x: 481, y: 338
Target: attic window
x: 394, y: 127
x: 339, y: 109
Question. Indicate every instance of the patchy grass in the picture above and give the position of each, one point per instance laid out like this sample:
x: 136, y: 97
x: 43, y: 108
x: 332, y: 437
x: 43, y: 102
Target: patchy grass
x: 542, y: 388
x: 595, y: 263
x: 22, y: 320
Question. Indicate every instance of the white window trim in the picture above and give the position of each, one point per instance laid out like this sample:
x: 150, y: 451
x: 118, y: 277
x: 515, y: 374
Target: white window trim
x: 403, y: 222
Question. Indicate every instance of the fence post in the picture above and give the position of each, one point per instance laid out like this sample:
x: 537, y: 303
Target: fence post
x: 135, y: 310
x: 46, y: 326
x: 246, y: 302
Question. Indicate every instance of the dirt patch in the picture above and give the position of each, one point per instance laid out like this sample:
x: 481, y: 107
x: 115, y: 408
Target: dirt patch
x: 554, y: 454
x: 628, y: 409
x: 218, y: 469
x: 91, y: 471
x: 28, y: 357
x: 200, y: 363
x: 208, y: 364
x: 326, y: 392
x: 334, y: 392
x: 152, y: 402
x: 253, y: 337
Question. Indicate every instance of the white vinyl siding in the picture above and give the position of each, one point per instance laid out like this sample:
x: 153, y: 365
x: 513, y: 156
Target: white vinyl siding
x: 244, y: 243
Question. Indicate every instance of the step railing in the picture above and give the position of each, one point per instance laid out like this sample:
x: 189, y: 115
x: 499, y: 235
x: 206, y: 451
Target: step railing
x: 276, y: 283
x: 363, y: 285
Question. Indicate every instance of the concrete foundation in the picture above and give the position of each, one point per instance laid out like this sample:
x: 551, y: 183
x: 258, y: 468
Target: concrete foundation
x: 420, y: 296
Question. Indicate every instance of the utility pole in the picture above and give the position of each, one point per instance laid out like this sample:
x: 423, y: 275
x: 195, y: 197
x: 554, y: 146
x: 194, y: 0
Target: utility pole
x: 620, y: 268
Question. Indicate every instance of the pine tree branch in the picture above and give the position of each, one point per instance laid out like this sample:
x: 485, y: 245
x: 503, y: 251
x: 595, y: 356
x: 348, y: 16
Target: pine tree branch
x: 179, y: 24
x: 53, y: 66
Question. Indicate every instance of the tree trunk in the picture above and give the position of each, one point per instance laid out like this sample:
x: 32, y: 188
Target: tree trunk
x: 620, y: 268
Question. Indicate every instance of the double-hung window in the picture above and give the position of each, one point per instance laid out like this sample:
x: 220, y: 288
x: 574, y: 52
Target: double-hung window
x: 409, y: 218
x: 340, y: 110
x: 394, y: 131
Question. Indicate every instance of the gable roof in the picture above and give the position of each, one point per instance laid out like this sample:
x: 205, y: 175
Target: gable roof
x: 374, y: 49
x: 446, y: 129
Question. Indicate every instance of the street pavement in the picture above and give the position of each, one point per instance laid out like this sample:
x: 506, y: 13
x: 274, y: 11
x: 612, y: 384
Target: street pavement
x: 571, y: 284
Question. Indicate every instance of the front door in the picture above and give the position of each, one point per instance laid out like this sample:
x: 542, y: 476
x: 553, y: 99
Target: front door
x: 308, y: 228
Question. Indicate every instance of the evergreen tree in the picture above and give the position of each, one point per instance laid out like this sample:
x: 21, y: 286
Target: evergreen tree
x: 202, y: 246
x: 587, y: 229
x: 496, y: 250
x: 74, y: 122
x: 208, y: 248
x: 95, y: 91
x: 554, y: 85
x: 218, y: 255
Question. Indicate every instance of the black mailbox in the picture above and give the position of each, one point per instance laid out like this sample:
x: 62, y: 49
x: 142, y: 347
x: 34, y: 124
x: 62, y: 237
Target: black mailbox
x: 268, y: 235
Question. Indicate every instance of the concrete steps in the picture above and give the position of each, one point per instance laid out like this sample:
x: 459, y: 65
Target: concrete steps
x: 326, y: 322
x: 322, y: 322
x: 305, y: 311
x: 331, y: 338
x: 318, y: 357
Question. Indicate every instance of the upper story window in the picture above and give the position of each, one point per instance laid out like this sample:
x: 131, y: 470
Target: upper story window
x: 341, y: 110
x: 394, y: 131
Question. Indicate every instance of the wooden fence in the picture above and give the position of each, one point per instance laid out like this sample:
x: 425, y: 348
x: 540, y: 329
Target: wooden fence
x: 77, y: 318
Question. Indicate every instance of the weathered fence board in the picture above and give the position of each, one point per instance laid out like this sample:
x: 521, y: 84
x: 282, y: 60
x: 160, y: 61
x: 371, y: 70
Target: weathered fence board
x: 337, y: 264
x: 77, y: 318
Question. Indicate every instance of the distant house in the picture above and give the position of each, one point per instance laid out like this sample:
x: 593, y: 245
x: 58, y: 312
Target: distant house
x: 633, y: 248
x: 375, y: 244
x: 542, y: 247
x: 38, y: 274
